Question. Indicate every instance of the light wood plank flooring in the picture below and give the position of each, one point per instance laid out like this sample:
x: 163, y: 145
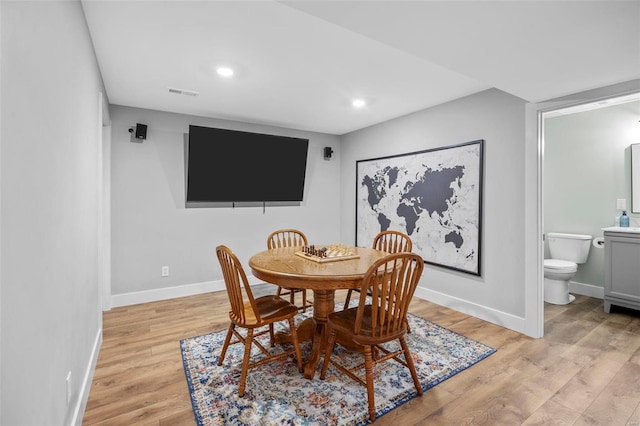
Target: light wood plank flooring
x: 585, y: 371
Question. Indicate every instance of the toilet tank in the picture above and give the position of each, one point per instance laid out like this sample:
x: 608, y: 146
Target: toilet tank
x: 571, y: 247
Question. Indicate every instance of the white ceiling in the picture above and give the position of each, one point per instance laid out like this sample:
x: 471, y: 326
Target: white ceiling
x: 300, y: 63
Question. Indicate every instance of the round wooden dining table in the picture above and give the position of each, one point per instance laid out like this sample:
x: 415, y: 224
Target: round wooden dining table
x: 283, y: 267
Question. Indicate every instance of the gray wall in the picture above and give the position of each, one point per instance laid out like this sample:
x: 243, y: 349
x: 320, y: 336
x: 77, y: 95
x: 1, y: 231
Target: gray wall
x: 152, y: 228
x: 498, y: 118
x: 50, y: 306
x: 587, y: 168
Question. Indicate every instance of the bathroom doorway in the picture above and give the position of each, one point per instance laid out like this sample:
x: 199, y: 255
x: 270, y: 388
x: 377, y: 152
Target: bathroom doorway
x: 584, y: 174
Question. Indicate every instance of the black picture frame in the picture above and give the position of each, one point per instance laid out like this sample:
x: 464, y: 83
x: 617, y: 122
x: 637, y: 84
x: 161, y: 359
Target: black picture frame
x: 434, y: 196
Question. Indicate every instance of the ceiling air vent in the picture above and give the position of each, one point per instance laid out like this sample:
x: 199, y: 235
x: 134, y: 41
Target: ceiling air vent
x: 182, y: 92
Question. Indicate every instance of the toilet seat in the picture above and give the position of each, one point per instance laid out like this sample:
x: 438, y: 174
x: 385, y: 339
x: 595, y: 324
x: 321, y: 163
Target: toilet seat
x: 560, y: 265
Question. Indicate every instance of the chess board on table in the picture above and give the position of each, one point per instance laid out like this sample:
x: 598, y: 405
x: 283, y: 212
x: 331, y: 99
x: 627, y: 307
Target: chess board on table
x: 329, y: 253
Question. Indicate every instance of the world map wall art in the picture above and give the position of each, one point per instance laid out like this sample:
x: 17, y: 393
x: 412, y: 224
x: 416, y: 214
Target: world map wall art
x: 434, y: 196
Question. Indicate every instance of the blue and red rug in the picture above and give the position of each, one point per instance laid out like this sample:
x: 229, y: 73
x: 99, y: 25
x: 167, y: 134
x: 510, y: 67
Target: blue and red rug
x: 277, y: 394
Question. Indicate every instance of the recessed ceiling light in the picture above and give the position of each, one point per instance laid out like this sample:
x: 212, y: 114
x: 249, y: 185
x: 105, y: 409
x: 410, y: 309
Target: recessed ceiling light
x: 224, y: 71
x: 358, y: 103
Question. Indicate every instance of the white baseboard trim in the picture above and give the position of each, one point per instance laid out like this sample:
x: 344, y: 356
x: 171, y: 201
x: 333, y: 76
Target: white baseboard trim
x: 586, y: 289
x: 127, y: 299
x: 494, y: 316
x: 81, y: 403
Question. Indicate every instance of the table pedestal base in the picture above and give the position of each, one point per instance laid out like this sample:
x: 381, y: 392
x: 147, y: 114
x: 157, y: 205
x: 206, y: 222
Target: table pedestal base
x: 313, y: 328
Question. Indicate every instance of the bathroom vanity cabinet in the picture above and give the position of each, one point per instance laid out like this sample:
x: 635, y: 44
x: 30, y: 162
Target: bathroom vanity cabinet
x: 621, y: 267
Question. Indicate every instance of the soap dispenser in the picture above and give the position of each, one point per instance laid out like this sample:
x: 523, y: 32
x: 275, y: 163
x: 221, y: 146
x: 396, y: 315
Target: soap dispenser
x: 624, y: 219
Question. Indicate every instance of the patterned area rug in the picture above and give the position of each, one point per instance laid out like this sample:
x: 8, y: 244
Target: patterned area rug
x: 277, y: 394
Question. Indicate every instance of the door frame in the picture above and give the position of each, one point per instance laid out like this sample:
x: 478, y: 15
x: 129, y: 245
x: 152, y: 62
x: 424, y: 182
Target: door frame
x: 534, y: 196
x: 104, y: 203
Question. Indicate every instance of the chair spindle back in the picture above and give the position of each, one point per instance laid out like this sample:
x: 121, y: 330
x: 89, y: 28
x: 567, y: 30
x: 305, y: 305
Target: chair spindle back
x: 237, y: 285
x: 392, y: 242
x: 286, y: 238
x: 391, y: 283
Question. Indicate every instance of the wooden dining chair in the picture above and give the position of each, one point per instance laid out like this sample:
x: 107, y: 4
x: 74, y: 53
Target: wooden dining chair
x: 392, y: 281
x: 252, y: 314
x: 388, y: 241
x: 290, y: 238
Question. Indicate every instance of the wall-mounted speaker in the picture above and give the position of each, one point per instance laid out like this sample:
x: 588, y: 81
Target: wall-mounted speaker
x: 141, y: 131
x: 327, y: 152
x: 138, y: 133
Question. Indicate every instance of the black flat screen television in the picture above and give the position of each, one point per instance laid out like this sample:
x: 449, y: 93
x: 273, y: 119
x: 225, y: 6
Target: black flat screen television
x: 234, y: 166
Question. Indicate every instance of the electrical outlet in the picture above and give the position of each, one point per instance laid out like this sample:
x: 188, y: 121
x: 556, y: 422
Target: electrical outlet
x: 621, y: 204
x: 165, y: 271
x: 68, y: 385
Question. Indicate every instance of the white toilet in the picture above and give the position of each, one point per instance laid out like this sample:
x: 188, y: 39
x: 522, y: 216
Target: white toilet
x: 567, y: 251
